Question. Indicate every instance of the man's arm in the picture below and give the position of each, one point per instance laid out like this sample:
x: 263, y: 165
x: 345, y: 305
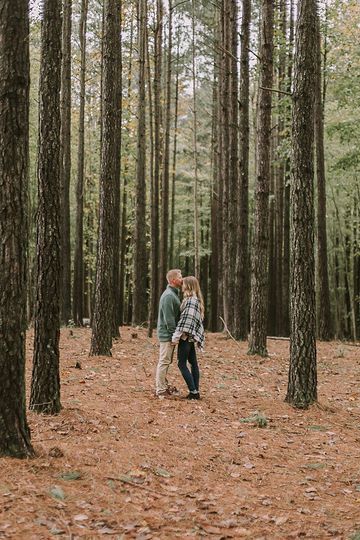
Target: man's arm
x: 169, y: 314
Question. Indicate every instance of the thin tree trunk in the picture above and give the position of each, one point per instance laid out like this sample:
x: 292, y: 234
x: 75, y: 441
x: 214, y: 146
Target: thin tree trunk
x: 215, y: 244
x: 14, y: 180
x: 325, y: 331
x: 242, y: 264
x: 348, y: 293
x: 154, y: 211
x: 225, y: 166
x: 302, y: 383
x: 234, y: 160
x: 124, y: 229
x: 118, y: 104
x: 285, y: 324
x: 66, y: 162
x: 161, y: 249
x: 220, y: 161
x: 173, y: 171
x: 280, y: 173
x: 139, y: 314
x: 166, y: 173
x: 260, y: 245
x: 101, y: 339
x: 45, y: 383
x: 78, y: 287
x: 195, y: 143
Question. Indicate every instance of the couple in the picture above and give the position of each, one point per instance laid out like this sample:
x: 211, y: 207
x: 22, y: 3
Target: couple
x: 180, y: 323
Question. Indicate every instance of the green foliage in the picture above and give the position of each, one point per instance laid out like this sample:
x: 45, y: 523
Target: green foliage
x: 257, y: 418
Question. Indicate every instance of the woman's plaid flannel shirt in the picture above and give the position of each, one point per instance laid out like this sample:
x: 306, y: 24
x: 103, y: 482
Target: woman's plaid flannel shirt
x: 190, y: 322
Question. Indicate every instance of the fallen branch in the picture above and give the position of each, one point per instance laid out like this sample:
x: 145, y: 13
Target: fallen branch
x: 145, y: 488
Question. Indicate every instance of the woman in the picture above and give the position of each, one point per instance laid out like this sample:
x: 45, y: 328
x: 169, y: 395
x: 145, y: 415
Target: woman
x: 189, y: 331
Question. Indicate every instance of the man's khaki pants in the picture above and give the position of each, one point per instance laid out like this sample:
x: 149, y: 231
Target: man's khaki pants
x: 165, y: 359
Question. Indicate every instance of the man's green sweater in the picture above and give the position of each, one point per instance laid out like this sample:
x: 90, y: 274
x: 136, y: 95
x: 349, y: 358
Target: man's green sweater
x: 169, y: 313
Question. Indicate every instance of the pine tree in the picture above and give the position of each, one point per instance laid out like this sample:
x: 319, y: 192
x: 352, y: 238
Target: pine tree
x: 66, y: 162
x: 260, y: 244
x: 103, y: 317
x: 45, y: 384
x: 302, y: 385
x: 78, y: 288
x: 139, y: 315
x: 14, y: 177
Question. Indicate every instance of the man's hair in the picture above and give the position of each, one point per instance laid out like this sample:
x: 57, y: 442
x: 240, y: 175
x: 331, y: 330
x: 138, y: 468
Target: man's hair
x: 172, y: 274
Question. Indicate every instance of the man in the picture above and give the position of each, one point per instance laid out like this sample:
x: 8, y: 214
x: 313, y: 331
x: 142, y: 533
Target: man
x: 169, y: 314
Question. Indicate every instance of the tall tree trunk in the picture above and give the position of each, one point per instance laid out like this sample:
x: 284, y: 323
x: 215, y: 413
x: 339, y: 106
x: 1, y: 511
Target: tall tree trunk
x: 225, y: 166
x: 302, y: 384
x: 124, y: 228
x: 260, y: 245
x: 161, y: 249
x: 154, y: 211
x: 325, y: 331
x: 45, y: 384
x: 174, y: 156
x: 101, y: 339
x: 118, y: 104
x: 14, y: 179
x: 196, y: 200
x: 220, y: 163
x: 242, y: 260
x: 78, y: 288
x: 215, y: 244
x: 234, y: 160
x: 167, y: 126
x: 285, y: 324
x: 139, y: 314
x: 66, y: 162
x: 280, y: 171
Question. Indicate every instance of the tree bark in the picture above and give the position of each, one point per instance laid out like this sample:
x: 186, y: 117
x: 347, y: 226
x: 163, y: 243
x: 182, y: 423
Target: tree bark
x: 234, y: 161
x: 242, y: 260
x: 285, y: 324
x: 118, y: 105
x: 101, y: 339
x: 280, y: 171
x: 174, y: 156
x: 66, y: 162
x: 302, y: 384
x: 139, y: 313
x: 225, y: 148
x: 260, y: 244
x: 154, y: 210
x: 167, y: 126
x: 159, y: 198
x: 14, y: 178
x: 78, y: 287
x: 45, y: 384
x: 325, y: 331
x: 196, y: 201
x: 215, y: 189
x: 124, y: 228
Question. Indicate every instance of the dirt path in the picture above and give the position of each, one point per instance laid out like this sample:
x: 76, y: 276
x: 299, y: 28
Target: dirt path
x: 119, y: 463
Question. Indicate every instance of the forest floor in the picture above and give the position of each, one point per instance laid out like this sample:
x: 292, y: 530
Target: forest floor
x: 120, y: 463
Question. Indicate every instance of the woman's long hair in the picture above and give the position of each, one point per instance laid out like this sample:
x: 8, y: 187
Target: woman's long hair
x: 191, y: 287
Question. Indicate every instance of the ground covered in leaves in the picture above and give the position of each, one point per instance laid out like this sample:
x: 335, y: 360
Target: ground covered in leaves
x: 120, y: 463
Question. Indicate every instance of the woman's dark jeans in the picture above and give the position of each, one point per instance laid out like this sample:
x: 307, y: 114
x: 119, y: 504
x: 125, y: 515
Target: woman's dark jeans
x: 187, y: 353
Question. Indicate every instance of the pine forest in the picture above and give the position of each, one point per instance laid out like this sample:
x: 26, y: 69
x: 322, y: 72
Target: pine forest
x: 215, y: 138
